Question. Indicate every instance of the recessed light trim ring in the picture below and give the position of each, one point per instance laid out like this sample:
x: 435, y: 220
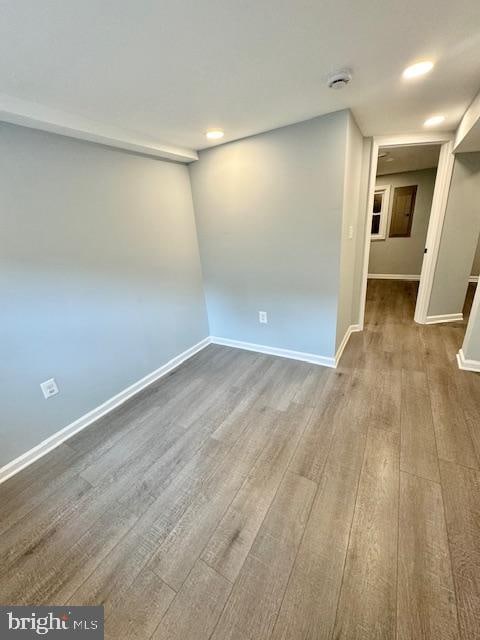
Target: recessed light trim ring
x: 418, y: 69
x: 433, y: 121
x: 214, y: 134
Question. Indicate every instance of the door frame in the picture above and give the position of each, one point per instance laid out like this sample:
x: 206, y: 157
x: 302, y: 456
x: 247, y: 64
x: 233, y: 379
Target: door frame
x: 437, y: 213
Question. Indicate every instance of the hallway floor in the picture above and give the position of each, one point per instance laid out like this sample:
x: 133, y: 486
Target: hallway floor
x: 248, y: 497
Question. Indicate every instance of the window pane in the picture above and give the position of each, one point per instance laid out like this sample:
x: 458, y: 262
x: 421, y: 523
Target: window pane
x: 377, y: 202
x: 375, y: 223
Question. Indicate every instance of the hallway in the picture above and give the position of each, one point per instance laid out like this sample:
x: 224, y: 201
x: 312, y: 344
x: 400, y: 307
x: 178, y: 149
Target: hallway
x: 247, y: 497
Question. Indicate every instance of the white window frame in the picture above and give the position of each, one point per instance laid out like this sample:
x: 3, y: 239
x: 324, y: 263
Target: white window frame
x: 384, y: 213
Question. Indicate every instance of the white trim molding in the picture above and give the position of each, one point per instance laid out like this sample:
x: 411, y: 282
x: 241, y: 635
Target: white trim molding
x: 351, y: 329
x: 38, y: 116
x: 434, y: 232
x: 31, y: 456
x: 84, y: 421
x: 384, y: 213
x: 447, y: 317
x: 413, y: 139
x: 313, y: 358
x: 467, y: 365
x: 393, y: 276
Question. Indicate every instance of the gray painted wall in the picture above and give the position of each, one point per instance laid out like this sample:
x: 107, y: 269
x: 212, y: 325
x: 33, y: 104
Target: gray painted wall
x: 269, y: 219
x: 471, y: 344
x: 460, y: 233
x: 476, y: 260
x: 348, y: 302
x: 405, y: 255
x: 100, y: 277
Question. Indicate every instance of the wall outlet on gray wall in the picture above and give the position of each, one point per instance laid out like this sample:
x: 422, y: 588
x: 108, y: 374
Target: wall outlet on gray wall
x: 49, y: 388
x: 262, y: 317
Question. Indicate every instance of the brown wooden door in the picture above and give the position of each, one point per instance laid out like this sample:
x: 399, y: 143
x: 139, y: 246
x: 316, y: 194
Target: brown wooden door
x: 402, y: 211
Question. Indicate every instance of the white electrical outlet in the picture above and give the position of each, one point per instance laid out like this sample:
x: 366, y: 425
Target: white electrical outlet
x: 49, y: 388
x: 262, y: 317
x: 350, y: 232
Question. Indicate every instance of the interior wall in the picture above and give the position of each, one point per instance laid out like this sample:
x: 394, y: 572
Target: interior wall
x: 100, y: 277
x: 361, y: 229
x: 348, y: 303
x: 405, y: 255
x: 459, y: 238
x: 476, y: 260
x: 471, y: 343
x: 269, y: 218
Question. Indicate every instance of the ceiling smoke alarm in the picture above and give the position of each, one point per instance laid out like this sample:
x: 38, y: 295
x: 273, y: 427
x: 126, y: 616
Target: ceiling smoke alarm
x: 339, y: 80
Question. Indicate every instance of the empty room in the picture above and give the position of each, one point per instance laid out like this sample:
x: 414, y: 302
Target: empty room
x: 240, y: 320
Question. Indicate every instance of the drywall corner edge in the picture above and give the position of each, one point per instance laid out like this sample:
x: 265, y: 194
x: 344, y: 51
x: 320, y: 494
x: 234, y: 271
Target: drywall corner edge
x: 351, y: 329
x: 468, y: 122
x: 34, y: 115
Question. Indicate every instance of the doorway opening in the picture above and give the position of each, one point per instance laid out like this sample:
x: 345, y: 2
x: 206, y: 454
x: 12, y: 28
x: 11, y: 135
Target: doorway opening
x: 402, y: 202
x: 407, y: 196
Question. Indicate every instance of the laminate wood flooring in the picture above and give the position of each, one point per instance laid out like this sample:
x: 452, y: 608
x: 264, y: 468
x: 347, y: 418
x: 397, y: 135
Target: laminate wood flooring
x: 248, y: 497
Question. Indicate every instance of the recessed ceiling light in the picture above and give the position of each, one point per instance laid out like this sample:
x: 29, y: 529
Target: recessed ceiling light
x: 214, y: 134
x: 418, y: 69
x: 433, y: 121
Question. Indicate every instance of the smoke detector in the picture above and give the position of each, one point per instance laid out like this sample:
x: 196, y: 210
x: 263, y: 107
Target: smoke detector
x: 340, y: 79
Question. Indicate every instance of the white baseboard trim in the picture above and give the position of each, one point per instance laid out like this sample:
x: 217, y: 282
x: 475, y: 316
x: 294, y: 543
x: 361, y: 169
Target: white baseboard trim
x: 392, y: 276
x: 404, y: 276
x: 275, y: 351
x: 467, y: 365
x: 31, y: 456
x: 351, y: 329
x: 448, y: 317
x: 84, y: 421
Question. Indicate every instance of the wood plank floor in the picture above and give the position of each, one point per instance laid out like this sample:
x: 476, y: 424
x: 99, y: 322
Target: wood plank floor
x: 248, y: 497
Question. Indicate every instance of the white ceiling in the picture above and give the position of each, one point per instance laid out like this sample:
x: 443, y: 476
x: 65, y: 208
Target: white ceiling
x: 169, y: 69
x: 411, y: 158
